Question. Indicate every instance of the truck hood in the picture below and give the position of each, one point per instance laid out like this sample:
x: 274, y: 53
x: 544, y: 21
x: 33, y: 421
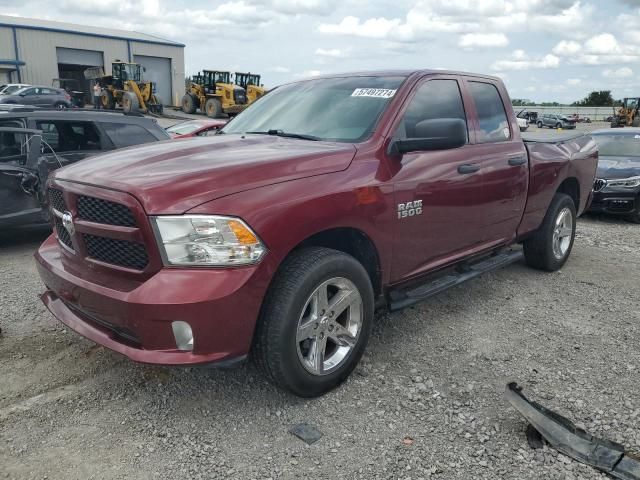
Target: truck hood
x: 175, y: 176
x: 611, y: 168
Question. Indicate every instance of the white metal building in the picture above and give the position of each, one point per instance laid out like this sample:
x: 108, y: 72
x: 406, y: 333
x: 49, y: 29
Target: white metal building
x: 37, y: 51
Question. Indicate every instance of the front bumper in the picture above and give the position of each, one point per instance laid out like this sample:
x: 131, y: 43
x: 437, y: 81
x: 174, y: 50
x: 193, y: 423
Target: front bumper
x: 220, y: 305
x: 616, y: 203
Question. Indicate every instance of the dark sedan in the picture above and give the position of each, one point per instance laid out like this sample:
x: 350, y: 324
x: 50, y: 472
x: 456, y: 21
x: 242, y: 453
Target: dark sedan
x: 617, y: 185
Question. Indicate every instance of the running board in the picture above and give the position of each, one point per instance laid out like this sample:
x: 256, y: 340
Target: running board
x: 402, y: 298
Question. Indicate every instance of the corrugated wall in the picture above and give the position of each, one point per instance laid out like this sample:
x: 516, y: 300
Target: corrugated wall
x: 176, y: 54
x: 38, y: 50
x: 6, y: 44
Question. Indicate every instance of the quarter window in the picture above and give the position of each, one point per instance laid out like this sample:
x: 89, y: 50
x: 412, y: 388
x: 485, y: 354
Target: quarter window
x: 434, y: 99
x: 492, y: 117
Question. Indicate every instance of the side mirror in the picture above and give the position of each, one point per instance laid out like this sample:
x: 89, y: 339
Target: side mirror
x: 436, y: 134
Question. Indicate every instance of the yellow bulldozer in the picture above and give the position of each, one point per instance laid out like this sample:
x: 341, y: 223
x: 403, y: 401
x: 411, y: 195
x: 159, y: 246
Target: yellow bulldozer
x: 628, y: 115
x: 212, y: 92
x: 126, y: 88
x: 251, y: 84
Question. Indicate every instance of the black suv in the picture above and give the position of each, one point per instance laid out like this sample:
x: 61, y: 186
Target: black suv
x: 34, y: 142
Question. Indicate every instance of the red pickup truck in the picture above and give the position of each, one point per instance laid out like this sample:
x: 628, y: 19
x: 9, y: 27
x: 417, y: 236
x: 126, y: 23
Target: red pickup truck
x: 324, y: 200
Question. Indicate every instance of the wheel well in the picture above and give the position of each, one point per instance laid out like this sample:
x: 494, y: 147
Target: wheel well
x: 571, y: 187
x: 353, y: 242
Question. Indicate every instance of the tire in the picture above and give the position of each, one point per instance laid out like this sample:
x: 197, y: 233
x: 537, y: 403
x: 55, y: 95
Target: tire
x: 213, y: 108
x: 130, y: 103
x: 188, y: 103
x: 280, y: 349
x: 539, y: 251
x: 558, y: 125
x: 60, y: 106
x: 107, y: 101
x: 636, y: 121
x: 540, y: 125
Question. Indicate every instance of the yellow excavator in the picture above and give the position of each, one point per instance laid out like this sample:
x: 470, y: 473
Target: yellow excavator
x: 125, y: 87
x: 251, y: 84
x: 212, y: 92
x: 628, y: 115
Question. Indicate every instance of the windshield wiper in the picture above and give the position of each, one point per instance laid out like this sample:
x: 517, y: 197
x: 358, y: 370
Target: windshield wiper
x: 280, y: 133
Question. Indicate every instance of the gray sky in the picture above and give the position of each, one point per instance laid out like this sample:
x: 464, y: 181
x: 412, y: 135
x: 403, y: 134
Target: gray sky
x: 544, y: 49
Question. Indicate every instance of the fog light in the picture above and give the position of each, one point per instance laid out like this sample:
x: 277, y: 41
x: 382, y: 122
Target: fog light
x: 184, y: 335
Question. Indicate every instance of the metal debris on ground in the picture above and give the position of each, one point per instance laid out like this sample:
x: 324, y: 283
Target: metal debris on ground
x: 307, y: 433
x: 567, y: 438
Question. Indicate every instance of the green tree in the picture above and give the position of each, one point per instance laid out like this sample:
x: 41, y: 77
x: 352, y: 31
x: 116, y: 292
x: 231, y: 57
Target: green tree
x: 601, y: 98
x: 521, y: 102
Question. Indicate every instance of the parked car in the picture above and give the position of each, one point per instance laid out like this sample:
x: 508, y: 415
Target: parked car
x: 523, y: 124
x: 38, y: 97
x: 196, y: 128
x: 553, y: 120
x: 278, y: 236
x: 34, y: 142
x: 10, y: 88
x: 617, y: 185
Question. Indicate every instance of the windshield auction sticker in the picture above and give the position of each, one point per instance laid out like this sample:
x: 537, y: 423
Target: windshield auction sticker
x: 373, y: 92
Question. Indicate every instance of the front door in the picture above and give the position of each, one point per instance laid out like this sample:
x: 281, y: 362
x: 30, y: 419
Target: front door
x: 438, y: 214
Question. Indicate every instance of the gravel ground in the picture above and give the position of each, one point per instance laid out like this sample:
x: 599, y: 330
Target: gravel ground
x: 427, y: 400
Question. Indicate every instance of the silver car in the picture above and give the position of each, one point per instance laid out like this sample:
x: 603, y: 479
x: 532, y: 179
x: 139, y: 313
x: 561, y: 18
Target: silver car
x: 38, y: 97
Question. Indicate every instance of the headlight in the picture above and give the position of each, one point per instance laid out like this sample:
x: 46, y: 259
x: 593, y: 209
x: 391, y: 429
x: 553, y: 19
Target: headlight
x: 630, y: 182
x: 203, y: 240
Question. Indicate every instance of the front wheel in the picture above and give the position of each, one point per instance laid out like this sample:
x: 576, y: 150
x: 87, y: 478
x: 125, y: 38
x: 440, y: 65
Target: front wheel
x: 558, y: 125
x: 549, y: 247
x: 213, y: 108
x: 315, y: 322
x: 540, y: 125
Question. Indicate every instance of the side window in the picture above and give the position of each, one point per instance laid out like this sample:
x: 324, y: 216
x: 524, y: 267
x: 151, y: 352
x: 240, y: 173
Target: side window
x: 70, y: 136
x: 123, y: 135
x: 30, y: 91
x: 50, y: 135
x: 46, y: 91
x: 494, y: 126
x: 12, y: 145
x: 434, y: 99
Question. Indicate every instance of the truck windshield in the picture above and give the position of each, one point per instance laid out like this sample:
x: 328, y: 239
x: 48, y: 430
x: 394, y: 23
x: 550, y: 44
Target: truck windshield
x: 331, y: 109
x: 618, y: 145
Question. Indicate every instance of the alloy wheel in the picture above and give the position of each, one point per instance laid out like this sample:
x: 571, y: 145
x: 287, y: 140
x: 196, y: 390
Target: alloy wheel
x: 329, y: 326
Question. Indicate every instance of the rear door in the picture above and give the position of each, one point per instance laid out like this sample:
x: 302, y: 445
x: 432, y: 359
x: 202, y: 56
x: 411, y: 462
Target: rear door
x: 503, y: 160
x: 439, y: 216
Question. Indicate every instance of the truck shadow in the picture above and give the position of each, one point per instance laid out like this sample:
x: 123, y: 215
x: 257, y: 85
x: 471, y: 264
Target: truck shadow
x: 29, y: 235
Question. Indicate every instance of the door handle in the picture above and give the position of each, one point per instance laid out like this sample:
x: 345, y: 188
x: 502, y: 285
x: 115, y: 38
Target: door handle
x: 517, y: 161
x: 468, y: 168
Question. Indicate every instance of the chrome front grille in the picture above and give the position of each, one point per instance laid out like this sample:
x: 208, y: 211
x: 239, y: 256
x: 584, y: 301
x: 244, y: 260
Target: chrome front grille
x: 91, y: 227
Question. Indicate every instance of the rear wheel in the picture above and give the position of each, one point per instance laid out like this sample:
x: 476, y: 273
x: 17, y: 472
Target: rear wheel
x: 550, y: 246
x: 213, y: 108
x: 315, y: 322
x: 540, y: 125
x: 60, y: 105
x: 188, y: 103
x: 130, y: 103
